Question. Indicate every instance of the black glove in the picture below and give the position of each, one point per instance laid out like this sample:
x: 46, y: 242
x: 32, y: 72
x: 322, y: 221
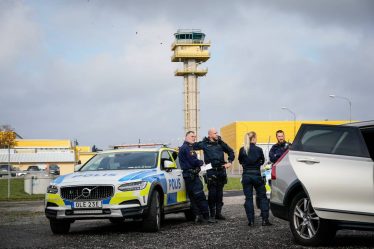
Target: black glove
x: 196, y: 170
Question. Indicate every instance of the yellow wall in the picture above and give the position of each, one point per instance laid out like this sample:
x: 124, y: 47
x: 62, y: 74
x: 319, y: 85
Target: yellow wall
x: 66, y: 168
x: 85, y: 156
x: 83, y: 149
x: 40, y: 143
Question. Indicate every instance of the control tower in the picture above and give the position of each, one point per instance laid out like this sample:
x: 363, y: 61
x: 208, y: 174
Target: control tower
x: 190, y: 48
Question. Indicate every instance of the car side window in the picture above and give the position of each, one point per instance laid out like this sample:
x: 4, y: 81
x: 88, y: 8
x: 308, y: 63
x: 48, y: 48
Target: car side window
x: 368, y: 134
x: 330, y: 140
x: 165, y: 156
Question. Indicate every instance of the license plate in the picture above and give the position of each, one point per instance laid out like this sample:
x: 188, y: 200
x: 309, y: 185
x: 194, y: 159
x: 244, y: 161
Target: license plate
x: 87, y: 204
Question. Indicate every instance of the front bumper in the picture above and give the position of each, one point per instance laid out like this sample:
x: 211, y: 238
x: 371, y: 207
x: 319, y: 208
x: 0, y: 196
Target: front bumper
x: 106, y: 212
x: 129, y: 204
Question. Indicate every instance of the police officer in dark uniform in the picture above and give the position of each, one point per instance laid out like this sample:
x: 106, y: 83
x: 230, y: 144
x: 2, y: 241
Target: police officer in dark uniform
x: 190, y: 165
x: 251, y: 157
x: 278, y: 149
x: 214, y: 149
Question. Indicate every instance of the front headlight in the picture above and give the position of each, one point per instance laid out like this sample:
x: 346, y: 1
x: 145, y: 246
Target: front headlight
x: 131, y: 186
x: 52, y: 189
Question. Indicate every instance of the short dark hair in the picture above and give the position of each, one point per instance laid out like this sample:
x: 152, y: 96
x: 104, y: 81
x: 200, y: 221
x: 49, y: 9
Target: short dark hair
x: 189, y: 132
x: 279, y: 131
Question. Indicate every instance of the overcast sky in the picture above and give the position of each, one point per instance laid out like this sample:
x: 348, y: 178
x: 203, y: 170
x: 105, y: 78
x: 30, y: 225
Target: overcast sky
x: 100, y: 71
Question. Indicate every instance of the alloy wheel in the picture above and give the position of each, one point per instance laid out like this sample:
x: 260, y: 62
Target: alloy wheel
x: 158, y: 212
x: 305, y: 219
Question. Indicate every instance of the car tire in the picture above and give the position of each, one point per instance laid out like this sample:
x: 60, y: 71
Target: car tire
x: 306, y: 227
x: 152, y: 220
x: 59, y: 227
x: 190, y: 216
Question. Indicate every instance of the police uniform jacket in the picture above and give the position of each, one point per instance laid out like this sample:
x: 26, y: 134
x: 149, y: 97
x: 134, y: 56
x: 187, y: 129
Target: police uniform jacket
x: 188, y: 158
x: 214, y: 151
x: 277, y: 151
x: 253, y: 160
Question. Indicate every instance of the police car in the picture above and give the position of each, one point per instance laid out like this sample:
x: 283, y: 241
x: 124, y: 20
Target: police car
x: 140, y: 183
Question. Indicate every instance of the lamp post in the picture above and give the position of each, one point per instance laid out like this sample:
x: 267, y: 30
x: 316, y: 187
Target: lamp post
x: 349, y: 102
x: 294, y: 120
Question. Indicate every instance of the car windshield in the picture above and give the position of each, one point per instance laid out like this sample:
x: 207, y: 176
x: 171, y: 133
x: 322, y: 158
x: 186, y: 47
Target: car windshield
x: 121, y: 161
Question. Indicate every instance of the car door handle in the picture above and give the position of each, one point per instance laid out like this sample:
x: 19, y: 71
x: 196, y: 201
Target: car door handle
x: 179, y: 174
x: 308, y: 160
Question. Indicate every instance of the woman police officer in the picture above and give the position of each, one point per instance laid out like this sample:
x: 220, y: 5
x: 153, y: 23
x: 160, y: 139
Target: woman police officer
x: 251, y: 157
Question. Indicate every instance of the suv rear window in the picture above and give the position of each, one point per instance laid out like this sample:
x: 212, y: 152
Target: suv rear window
x: 368, y: 134
x: 330, y: 140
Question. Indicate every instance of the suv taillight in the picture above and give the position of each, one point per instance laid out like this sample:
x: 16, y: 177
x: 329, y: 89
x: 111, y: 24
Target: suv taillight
x: 273, y: 168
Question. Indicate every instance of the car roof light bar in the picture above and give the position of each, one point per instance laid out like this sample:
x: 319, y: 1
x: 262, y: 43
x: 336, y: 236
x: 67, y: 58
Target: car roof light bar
x: 149, y: 145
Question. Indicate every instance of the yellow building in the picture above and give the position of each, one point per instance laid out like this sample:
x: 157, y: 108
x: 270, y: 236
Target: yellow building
x: 233, y: 134
x: 44, y: 153
x: 83, y: 154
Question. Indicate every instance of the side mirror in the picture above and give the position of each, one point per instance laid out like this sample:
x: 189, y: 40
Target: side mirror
x: 168, y: 165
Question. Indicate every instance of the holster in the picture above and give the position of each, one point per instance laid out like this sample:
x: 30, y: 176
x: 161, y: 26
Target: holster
x: 216, y: 180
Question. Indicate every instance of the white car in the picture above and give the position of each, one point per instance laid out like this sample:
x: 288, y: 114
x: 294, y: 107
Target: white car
x: 325, y: 182
x: 141, y: 183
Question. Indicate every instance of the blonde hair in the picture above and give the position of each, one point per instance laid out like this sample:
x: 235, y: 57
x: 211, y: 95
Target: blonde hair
x: 247, y: 140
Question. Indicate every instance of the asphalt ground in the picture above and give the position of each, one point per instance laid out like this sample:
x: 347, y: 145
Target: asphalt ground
x: 23, y: 225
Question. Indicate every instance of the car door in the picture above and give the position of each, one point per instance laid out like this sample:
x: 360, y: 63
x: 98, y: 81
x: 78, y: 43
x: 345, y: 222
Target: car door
x: 335, y: 168
x: 176, y: 193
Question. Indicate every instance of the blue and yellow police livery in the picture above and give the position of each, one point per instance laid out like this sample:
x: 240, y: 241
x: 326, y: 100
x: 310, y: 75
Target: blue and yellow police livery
x: 141, y: 183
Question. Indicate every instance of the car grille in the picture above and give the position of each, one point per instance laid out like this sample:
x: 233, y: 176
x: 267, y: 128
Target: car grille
x: 87, y: 192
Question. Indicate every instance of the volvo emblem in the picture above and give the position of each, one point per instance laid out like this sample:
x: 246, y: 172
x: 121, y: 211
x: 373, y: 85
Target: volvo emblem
x: 86, y: 192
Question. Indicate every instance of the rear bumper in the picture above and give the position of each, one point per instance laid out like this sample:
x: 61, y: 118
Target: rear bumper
x: 279, y: 211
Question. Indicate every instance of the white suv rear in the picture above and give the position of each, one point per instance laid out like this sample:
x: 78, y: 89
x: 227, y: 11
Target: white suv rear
x: 325, y: 182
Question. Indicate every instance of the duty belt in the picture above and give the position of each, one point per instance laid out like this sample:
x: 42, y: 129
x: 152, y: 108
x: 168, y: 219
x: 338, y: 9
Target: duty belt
x: 251, y: 172
x: 192, y: 171
x: 218, y: 168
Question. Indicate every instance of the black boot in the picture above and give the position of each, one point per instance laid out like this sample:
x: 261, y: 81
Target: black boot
x: 212, y: 212
x: 206, y: 220
x: 219, y: 215
x: 266, y: 222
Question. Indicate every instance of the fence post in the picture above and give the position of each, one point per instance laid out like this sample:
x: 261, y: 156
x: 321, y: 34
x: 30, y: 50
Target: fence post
x: 9, y: 174
x: 32, y: 185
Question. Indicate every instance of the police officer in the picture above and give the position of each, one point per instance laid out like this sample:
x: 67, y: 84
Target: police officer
x: 251, y: 157
x: 190, y: 165
x: 214, y: 148
x: 278, y: 149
